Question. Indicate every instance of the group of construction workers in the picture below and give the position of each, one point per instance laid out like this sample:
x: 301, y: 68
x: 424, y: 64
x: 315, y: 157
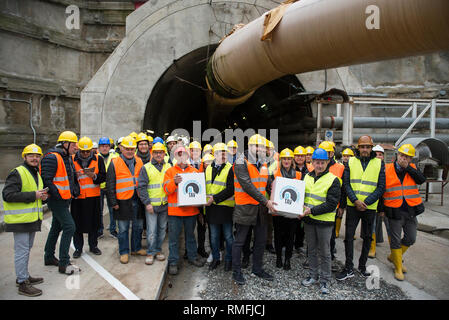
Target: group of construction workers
x: 140, y: 178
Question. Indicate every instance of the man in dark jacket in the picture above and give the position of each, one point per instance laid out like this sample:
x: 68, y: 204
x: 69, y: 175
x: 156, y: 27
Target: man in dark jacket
x: 58, y: 175
x: 250, y: 181
x: 23, y: 195
x: 364, y: 180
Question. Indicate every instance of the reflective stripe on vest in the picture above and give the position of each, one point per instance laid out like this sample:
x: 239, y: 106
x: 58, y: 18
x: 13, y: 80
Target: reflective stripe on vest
x: 219, y: 184
x: 21, y: 212
x: 61, y: 179
x: 395, y: 192
x: 106, y: 165
x: 316, y: 193
x: 87, y: 187
x: 364, y: 182
x: 155, y: 189
x: 126, y: 182
x: 258, y: 179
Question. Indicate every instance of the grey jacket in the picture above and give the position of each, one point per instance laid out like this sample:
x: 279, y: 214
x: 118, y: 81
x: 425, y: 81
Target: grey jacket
x: 247, y: 214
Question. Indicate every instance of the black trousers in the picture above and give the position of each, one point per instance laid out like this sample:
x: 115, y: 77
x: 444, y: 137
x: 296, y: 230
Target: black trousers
x: 299, y: 234
x: 332, y: 244
x: 260, y: 238
x: 247, y: 245
x: 201, y: 233
x: 92, y: 239
x: 284, y: 231
x: 353, y: 216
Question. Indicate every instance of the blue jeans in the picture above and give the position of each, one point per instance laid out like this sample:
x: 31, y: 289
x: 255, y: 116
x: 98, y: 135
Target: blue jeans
x: 136, y: 233
x: 175, y: 224
x: 112, y: 222
x: 156, y: 227
x: 215, y: 231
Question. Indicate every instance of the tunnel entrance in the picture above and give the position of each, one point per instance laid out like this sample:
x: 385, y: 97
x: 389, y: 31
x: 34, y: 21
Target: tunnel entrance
x: 179, y: 98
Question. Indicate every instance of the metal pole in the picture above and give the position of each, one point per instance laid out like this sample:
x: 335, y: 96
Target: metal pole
x: 414, y: 110
x: 318, y: 123
x: 433, y: 112
x: 338, y: 109
x: 412, y: 125
x: 29, y: 103
x: 347, y: 124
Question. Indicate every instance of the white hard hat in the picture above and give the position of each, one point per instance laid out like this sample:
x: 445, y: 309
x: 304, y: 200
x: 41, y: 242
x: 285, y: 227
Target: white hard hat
x: 95, y: 145
x: 120, y: 140
x: 378, y: 148
x: 171, y: 139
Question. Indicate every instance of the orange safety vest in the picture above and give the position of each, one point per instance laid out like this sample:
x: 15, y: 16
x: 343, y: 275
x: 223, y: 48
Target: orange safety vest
x: 337, y: 169
x: 61, y: 179
x: 309, y: 167
x: 87, y: 187
x: 395, y: 192
x: 125, y: 181
x: 259, y: 180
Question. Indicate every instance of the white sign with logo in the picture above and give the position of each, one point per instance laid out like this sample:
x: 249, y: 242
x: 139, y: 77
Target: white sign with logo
x: 192, y: 189
x: 289, y: 196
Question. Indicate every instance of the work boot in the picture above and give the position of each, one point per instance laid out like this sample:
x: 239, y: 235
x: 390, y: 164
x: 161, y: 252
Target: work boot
x: 238, y: 278
x: 26, y: 289
x: 396, y: 255
x: 141, y: 252
x: 287, y: 264
x: 77, y: 254
x: 32, y: 281
x: 124, y: 258
x: 264, y: 275
x: 96, y: 251
x: 337, y: 227
x: 278, y: 262
x: 51, y: 262
x: 404, y: 248
x: 390, y: 258
x: 372, y: 250
x: 245, y: 262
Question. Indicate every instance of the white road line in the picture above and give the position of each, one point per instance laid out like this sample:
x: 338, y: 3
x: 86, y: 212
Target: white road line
x: 122, y: 289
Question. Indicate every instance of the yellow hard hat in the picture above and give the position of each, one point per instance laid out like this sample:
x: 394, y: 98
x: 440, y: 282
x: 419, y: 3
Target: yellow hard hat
x: 142, y: 137
x: 207, y: 148
x: 299, y: 150
x: 158, y: 147
x: 232, y: 144
x: 269, y: 144
x: 150, y: 138
x: 286, y: 153
x: 128, y: 142
x: 257, y: 139
x: 208, y: 157
x: 326, y: 145
x: 111, y: 141
x: 407, y: 149
x: 195, y: 145
x: 309, y: 150
x: 85, y: 143
x: 133, y: 135
x: 220, y: 147
x: 348, y: 152
x: 31, y: 149
x: 68, y: 136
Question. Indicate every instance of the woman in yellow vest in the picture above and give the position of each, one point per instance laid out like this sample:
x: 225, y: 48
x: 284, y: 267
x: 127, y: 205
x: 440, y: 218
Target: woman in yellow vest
x: 23, y: 195
x: 322, y: 195
x: 152, y: 195
x: 284, y: 228
x: 85, y: 208
x: 220, y: 205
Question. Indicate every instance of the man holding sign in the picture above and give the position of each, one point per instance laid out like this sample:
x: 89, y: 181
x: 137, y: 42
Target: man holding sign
x: 321, y: 200
x: 179, y: 216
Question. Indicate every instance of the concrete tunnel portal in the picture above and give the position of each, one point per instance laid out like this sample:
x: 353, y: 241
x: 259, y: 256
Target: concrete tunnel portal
x: 180, y: 97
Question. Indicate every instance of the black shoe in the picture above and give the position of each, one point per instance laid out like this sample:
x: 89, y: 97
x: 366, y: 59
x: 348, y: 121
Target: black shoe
x: 278, y: 262
x: 114, y: 234
x: 77, y: 254
x: 185, y: 255
x: 287, y: 264
x: 245, y: 262
x: 214, y: 264
x: 363, y: 272
x: 344, y: 274
x: 51, y: 262
x: 264, y: 275
x: 270, y: 248
x: 202, y: 253
x: 228, y: 266
x: 100, y: 235
x: 238, y: 278
x: 95, y: 251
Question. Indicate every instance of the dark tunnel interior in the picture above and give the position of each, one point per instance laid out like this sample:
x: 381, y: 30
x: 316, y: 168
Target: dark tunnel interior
x: 179, y: 98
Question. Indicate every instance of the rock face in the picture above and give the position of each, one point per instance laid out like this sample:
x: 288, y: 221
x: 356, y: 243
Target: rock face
x: 100, y: 79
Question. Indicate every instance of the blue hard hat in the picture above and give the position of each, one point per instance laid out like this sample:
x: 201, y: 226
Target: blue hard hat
x: 158, y: 139
x: 320, y: 154
x: 104, y: 140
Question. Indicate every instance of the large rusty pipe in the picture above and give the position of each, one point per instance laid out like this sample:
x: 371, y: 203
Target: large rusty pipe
x: 322, y: 34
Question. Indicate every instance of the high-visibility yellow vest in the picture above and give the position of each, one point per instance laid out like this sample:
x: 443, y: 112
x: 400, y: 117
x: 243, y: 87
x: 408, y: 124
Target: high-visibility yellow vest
x: 108, y: 162
x: 219, y: 184
x: 316, y: 193
x: 155, y: 188
x: 167, y: 157
x: 364, y: 182
x: 21, y: 212
x: 273, y: 167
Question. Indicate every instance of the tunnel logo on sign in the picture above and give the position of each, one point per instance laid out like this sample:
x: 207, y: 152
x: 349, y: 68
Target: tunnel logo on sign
x: 192, y: 188
x: 289, y: 194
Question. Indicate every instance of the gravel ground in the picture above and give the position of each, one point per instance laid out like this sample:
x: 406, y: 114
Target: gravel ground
x: 287, y: 285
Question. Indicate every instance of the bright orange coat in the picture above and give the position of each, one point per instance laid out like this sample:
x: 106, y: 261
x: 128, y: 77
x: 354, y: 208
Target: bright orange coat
x: 395, y: 192
x: 171, y: 189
